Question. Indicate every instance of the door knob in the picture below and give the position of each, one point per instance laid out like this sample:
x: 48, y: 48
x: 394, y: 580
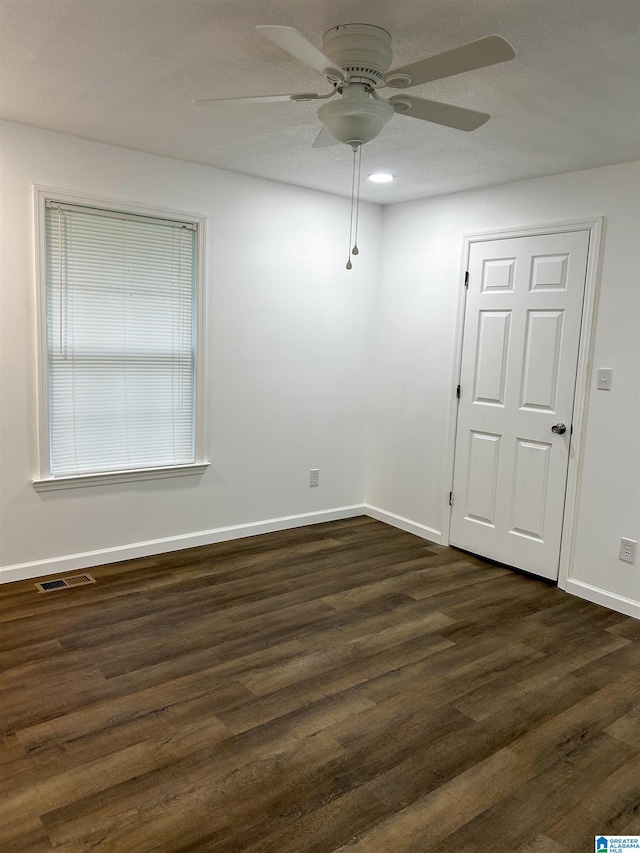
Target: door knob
x: 559, y: 429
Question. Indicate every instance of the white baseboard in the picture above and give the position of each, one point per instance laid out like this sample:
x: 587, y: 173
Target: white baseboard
x: 73, y: 562
x: 87, y: 559
x: 606, y: 599
x: 404, y: 524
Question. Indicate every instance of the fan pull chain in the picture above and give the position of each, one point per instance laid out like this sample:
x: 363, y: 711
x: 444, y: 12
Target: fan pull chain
x: 355, y: 203
x: 349, y: 265
x: 355, y: 249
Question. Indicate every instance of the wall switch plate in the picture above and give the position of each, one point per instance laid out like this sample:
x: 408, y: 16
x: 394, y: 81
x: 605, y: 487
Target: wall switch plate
x: 605, y: 377
x: 627, y: 550
x: 314, y: 476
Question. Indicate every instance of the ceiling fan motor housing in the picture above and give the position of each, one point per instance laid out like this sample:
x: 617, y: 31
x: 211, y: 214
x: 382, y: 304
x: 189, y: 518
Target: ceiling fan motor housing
x: 362, y: 50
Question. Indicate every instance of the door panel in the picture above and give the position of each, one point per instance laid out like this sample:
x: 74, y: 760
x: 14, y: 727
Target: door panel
x: 482, y: 482
x: 549, y: 272
x: 492, y: 354
x: 497, y: 274
x: 519, y: 359
x: 543, y: 340
x: 530, y: 487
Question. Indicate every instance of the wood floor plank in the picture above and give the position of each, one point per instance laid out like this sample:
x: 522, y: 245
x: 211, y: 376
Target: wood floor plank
x: 560, y: 661
x: 300, y: 694
x: 611, y: 804
x: 212, y: 801
x: 527, y: 809
x: 581, y: 723
x: 423, y: 824
x: 541, y: 843
x: 132, y: 705
x: 341, y: 687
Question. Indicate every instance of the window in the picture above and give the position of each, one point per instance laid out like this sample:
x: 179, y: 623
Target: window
x: 118, y: 342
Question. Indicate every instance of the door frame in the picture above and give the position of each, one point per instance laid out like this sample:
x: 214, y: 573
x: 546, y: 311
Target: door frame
x: 596, y: 227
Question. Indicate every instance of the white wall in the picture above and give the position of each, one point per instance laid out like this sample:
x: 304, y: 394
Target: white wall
x: 287, y: 330
x: 412, y: 384
x: 292, y: 378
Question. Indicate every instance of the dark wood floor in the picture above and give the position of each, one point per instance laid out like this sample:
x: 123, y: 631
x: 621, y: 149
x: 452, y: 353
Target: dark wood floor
x: 341, y: 687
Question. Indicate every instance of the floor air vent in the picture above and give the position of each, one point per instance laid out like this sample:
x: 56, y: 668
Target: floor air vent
x: 64, y: 583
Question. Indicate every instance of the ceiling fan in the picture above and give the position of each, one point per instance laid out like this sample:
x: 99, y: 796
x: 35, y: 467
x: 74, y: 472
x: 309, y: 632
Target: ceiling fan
x: 355, y: 60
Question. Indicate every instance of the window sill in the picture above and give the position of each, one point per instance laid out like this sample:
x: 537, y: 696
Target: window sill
x: 107, y: 477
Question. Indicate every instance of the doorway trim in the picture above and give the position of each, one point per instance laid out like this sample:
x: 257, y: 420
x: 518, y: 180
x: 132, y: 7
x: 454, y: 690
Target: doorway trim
x: 596, y: 228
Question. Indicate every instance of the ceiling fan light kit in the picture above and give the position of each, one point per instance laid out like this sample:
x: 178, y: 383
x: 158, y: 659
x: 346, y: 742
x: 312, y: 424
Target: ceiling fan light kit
x: 355, y: 60
x: 357, y: 118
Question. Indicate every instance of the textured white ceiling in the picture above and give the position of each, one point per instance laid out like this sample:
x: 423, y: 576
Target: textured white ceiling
x: 125, y: 72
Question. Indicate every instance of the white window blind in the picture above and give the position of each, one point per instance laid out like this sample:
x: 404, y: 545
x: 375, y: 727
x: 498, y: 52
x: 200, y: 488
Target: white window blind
x: 120, y: 341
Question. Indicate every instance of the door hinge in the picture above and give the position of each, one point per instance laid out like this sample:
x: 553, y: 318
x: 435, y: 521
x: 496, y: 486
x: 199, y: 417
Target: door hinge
x: 466, y: 279
x: 458, y: 391
x: 450, y: 498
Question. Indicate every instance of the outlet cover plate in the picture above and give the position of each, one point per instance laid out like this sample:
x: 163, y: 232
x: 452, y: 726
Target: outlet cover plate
x: 627, y: 550
x: 605, y: 378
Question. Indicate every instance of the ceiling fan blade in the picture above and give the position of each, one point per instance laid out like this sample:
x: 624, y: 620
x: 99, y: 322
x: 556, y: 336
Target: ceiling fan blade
x: 289, y: 39
x: 438, y: 113
x: 476, y: 54
x: 259, y: 99
x: 325, y: 139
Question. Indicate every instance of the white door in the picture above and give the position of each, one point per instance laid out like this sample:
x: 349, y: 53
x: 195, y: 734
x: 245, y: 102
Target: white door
x: 517, y: 382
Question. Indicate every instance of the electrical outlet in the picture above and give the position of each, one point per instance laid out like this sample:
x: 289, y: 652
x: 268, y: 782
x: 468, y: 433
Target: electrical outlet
x: 627, y: 550
x: 314, y: 476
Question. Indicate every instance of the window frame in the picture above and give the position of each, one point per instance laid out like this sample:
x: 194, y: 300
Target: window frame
x: 44, y: 481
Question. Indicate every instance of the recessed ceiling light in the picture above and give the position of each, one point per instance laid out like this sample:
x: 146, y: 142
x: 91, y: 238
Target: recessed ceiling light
x: 381, y: 178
